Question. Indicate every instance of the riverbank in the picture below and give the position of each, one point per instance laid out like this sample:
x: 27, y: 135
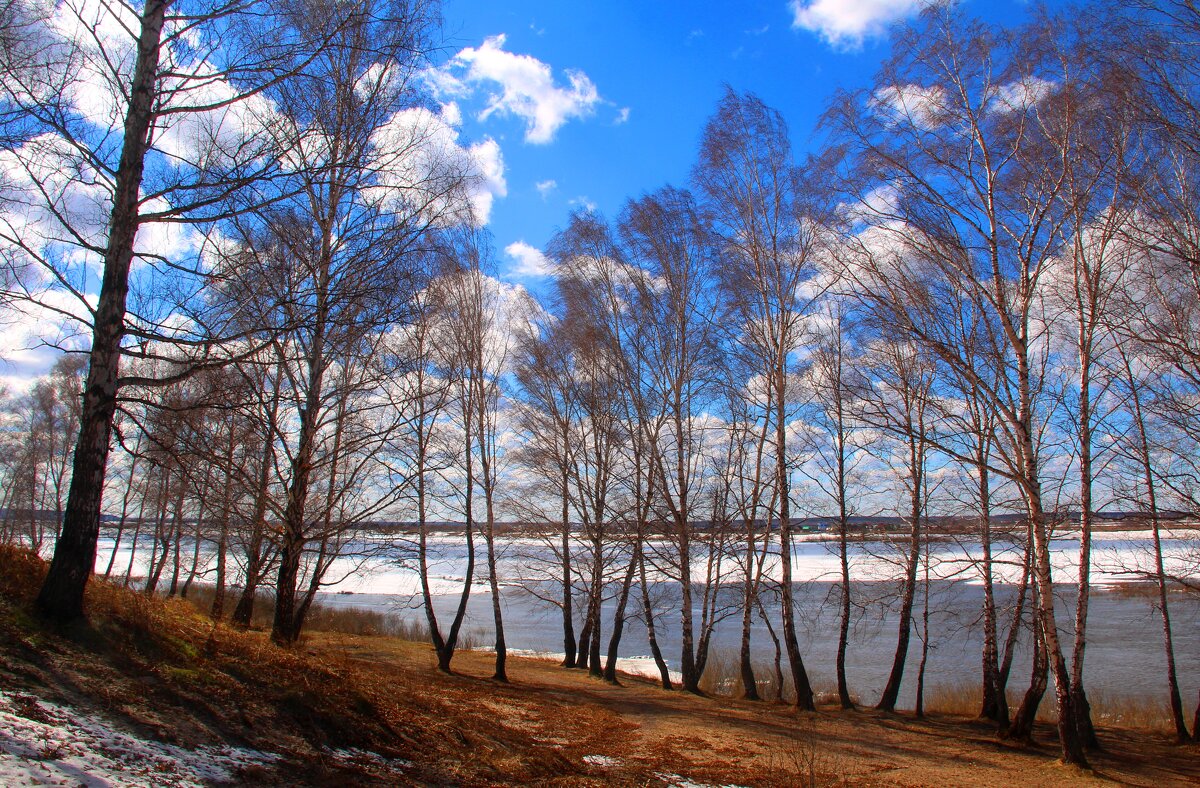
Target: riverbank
x: 152, y: 693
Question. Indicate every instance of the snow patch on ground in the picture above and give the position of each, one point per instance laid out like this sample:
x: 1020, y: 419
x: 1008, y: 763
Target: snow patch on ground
x: 602, y: 761
x: 634, y: 666
x: 367, y: 758
x: 676, y: 781
x: 43, y: 743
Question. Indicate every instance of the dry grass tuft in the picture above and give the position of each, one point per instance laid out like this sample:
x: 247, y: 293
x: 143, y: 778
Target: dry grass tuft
x: 22, y: 575
x: 959, y: 698
x: 330, y: 618
x: 723, y: 677
x: 964, y: 699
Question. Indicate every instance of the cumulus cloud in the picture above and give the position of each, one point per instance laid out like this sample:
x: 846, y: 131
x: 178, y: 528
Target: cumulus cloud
x: 1024, y: 93
x: 518, y: 85
x: 529, y: 261
x: 452, y: 114
x: 845, y: 23
x: 925, y: 108
x: 489, y: 164
x: 420, y: 157
x: 545, y: 187
x: 36, y: 332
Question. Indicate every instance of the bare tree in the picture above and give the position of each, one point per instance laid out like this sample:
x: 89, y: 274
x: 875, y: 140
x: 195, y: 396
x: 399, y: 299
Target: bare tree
x: 1138, y: 448
x: 959, y: 202
x: 146, y: 113
x: 478, y: 338
x: 547, y: 417
x: 341, y: 254
x: 898, y: 402
x: 837, y: 455
x: 749, y: 184
x: 666, y: 239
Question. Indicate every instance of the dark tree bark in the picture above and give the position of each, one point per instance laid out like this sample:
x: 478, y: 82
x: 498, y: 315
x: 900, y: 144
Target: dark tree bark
x: 651, y: 635
x: 61, y: 595
x: 1022, y: 723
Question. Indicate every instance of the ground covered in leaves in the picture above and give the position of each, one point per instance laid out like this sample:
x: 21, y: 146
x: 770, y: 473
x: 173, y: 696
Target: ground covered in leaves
x: 149, y: 692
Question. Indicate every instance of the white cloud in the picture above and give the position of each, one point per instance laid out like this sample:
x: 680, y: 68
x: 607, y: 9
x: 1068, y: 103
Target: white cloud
x: 583, y: 202
x: 530, y: 261
x: 419, y: 157
x: 545, y: 187
x: 452, y: 114
x: 521, y: 85
x: 622, y: 116
x: 1025, y: 93
x: 845, y: 23
x: 490, y: 165
x: 34, y: 333
x: 924, y: 108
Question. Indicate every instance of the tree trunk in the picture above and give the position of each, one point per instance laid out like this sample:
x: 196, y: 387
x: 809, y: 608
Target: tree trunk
x: 446, y: 654
x: 1176, y: 701
x: 614, y: 641
x: 176, y: 544
x: 891, y: 691
x: 777, y: 664
x: 1014, y: 631
x: 800, y: 682
x: 61, y: 595
x: 164, y: 534
x: 1080, y: 705
x: 568, y: 615
x: 749, y: 594
x: 243, y: 612
x: 1072, y: 746
x: 293, y: 537
x: 194, y: 569
x: 486, y: 454
x: 995, y: 705
x: 218, y: 604
x: 844, y: 561
x: 651, y: 636
x: 112, y: 558
x: 920, y: 707
x: 689, y: 677
x: 500, y: 673
x: 1022, y: 724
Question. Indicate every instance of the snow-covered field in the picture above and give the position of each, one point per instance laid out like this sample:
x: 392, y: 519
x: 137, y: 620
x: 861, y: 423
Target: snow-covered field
x: 44, y: 743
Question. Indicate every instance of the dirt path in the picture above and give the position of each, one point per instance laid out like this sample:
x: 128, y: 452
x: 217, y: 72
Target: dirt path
x: 628, y: 734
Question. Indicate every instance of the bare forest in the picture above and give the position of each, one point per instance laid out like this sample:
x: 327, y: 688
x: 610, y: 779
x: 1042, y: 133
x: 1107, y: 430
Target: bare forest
x: 971, y: 318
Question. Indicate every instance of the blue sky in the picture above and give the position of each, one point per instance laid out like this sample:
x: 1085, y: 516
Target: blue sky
x: 585, y: 104
x: 592, y: 103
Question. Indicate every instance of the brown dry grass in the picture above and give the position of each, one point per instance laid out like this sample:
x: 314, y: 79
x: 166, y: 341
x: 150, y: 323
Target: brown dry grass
x: 328, y: 618
x: 1124, y: 712
x: 171, y: 673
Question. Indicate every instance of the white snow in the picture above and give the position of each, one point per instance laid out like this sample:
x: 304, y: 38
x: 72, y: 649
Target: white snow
x: 368, y: 758
x: 602, y: 761
x: 379, y: 565
x: 676, y: 781
x: 43, y: 743
x: 633, y: 666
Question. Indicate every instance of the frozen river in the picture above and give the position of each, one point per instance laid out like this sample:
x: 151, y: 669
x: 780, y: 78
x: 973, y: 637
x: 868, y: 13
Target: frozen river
x: 1125, y: 657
